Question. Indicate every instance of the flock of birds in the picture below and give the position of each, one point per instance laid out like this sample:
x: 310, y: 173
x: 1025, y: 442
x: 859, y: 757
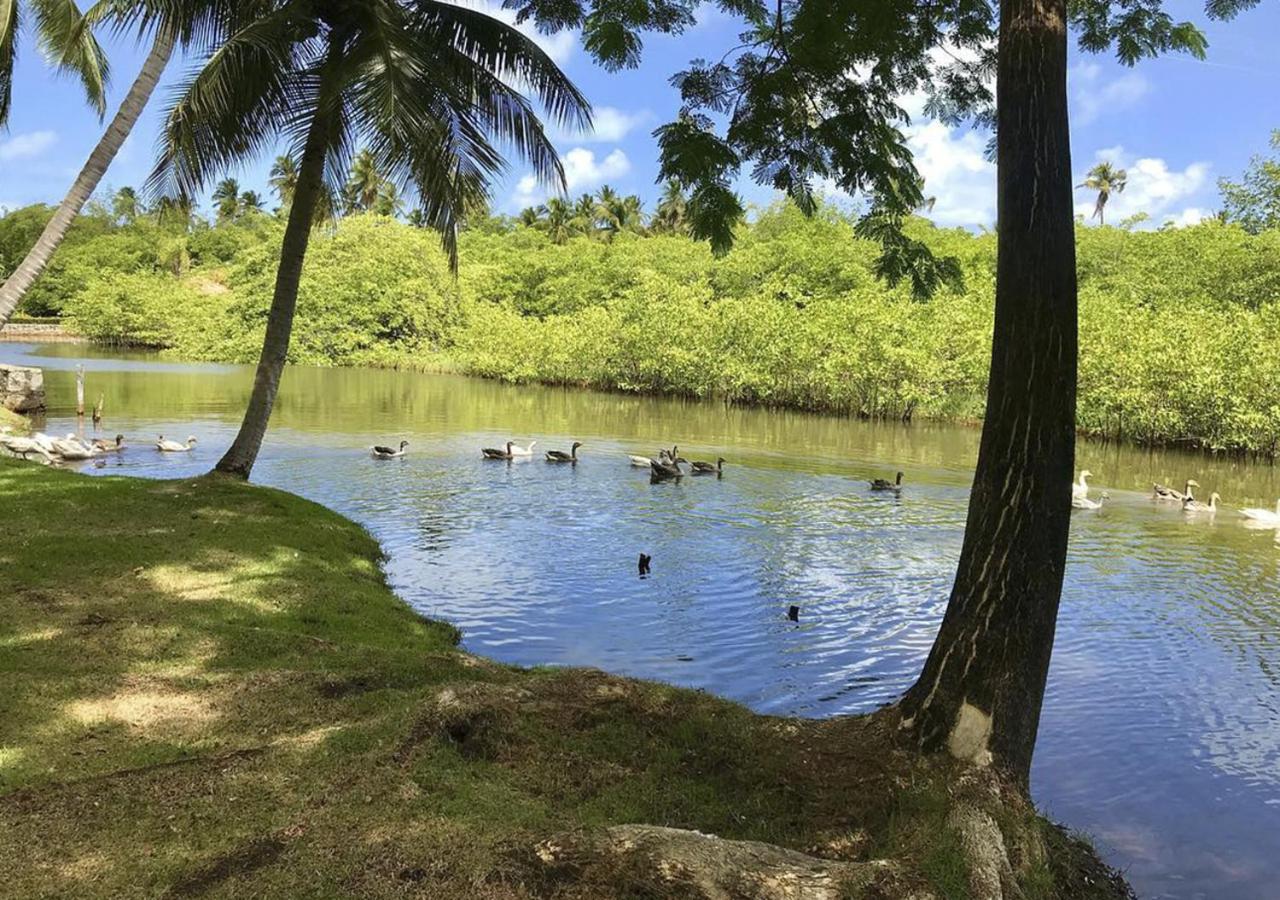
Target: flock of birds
x: 74, y: 448
x: 1164, y: 494
x: 663, y: 466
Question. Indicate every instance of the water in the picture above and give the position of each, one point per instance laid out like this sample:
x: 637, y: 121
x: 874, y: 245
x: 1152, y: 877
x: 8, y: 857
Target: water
x: 1161, y: 729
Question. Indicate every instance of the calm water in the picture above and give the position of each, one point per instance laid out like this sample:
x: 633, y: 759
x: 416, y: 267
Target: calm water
x: 1161, y: 731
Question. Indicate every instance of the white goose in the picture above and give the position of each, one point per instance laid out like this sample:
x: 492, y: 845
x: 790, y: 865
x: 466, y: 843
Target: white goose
x: 1086, y: 503
x: 173, y: 446
x: 1263, y: 516
x: 73, y: 449
x: 1080, y: 489
x: 24, y: 446
x: 1195, y: 506
x: 517, y: 450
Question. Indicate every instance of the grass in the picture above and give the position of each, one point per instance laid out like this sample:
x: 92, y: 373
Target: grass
x: 12, y: 423
x: 210, y: 691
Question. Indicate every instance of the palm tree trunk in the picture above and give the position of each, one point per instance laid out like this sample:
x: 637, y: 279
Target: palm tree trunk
x: 240, y: 456
x: 18, y: 283
x: 981, y: 690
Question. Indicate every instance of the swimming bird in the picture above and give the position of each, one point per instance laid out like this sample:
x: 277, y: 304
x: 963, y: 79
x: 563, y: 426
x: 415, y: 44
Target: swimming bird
x: 642, y: 461
x: 380, y: 452
x: 174, y: 446
x: 1086, y: 503
x: 102, y: 445
x: 495, y: 453
x: 73, y: 450
x: 1161, y: 492
x: 1263, y: 516
x: 664, y: 470
x: 517, y: 450
x: 1195, y: 506
x: 880, y: 484
x: 561, y: 456
x: 706, y: 468
x: 1080, y: 489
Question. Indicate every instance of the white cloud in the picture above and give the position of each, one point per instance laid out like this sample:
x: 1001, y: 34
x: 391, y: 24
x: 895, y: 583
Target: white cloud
x: 609, y: 125
x: 1152, y: 187
x: 582, y: 171
x: 1092, y: 96
x: 24, y: 146
x: 956, y: 173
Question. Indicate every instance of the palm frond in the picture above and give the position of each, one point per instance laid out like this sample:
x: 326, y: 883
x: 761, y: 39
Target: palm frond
x: 62, y: 36
x: 10, y: 25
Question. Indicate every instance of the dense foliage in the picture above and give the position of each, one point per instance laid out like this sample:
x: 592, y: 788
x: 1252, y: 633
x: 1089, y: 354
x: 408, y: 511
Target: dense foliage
x: 1180, y: 328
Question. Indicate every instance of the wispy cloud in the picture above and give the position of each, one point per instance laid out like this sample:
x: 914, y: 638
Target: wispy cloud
x: 25, y: 146
x: 1094, y: 96
x: 582, y: 171
x: 1152, y: 187
x: 609, y: 125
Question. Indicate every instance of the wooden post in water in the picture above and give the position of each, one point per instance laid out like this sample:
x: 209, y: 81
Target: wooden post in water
x: 80, y: 392
x: 97, y: 410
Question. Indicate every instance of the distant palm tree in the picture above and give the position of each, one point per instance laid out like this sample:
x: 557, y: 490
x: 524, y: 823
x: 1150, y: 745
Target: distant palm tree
x: 671, y: 214
x: 226, y: 200
x: 388, y: 202
x: 530, y: 216
x: 251, y: 201
x: 284, y: 178
x: 126, y: 207
x: 427, y: 87
x: 1106, y: 179
x: 417, y: 218
x: 616, y: 213
x: 365, y: 182
x: 558, y: 221
x: 584, y: 214
x: 173, y: 210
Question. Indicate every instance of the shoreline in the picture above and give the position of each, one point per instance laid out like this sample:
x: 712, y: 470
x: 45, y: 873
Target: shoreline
x: 235, y: 650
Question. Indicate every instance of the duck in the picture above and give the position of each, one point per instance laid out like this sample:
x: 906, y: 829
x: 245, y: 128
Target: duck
x: 1263, y: 516
x: 1086, y: 503
x: 1080, y: 489
x: 517, y: 450
x: 706, y: 468
x: 561, y: 456
x: 380, y: 452
x: 1161, y: 492
x: 173, y: 446
x: 880, y: 484
x: 1191, y: 505
x: 495, y: 453
x: 73, y: 450
x: 102, y: 445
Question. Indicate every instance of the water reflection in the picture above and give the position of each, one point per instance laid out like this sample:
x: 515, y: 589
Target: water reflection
x: 1161, y: 732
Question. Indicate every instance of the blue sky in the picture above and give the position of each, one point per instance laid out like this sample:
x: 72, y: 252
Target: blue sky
x: 1174, y: 123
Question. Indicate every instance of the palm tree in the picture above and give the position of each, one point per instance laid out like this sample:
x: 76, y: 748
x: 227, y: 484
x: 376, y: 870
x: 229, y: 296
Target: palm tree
x: 1106, y: 179
x: 417, y: 218
x: 251, y: 201
x: 617, y: 213
x: 585, y: 214
x: 173, y: 210
x: 671, y: 214
x: 284, y: 178
x: 388, y: 202
x: 67, y: 39
x: 558, y: 221
x: 530, y: 216
x: 226, y: 200
x: 126, y: 207
x: 365, y: 183
x: 427, y: 87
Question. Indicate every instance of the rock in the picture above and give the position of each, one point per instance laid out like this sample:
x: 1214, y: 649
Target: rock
x: 21, y: 388
x: 651, y: 860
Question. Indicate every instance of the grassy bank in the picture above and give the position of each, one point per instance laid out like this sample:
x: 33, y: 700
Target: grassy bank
x: 210, y: 691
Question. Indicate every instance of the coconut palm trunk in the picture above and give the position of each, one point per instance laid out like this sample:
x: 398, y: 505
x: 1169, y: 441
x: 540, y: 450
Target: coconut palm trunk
x: 37, y: 258
x: 981, y: 690
x: 243, y: 452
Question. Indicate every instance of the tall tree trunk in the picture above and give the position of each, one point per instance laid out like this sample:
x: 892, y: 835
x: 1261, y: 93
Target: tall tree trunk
x: 17, y: 285
x: 983, y: 684
x: 240, y: 456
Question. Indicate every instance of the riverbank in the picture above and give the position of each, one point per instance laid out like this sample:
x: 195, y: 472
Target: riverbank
x: 211, y: 691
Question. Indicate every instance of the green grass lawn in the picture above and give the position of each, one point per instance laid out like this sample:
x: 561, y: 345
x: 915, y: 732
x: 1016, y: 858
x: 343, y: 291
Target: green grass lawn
x: 209, y: 690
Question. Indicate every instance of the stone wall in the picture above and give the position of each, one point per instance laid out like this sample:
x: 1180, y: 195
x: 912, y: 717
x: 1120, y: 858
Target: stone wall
x: 21, y: 388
